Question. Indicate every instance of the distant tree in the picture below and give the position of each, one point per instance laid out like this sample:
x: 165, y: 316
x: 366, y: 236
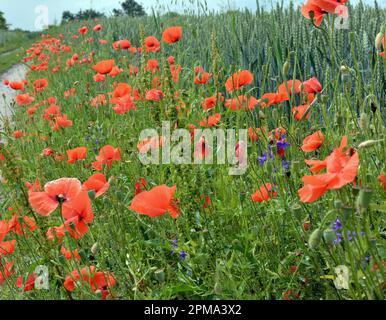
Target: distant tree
x: 88, y: 14
x: 3, y: 22
x: 67, y: 16
x: 171, y: 14
x: 117, y: 12
x: 81, y: 15
x: 132, y: 8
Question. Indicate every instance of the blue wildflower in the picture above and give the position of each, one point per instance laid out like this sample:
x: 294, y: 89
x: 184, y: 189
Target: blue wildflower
x: 286, y: 164
x: 262, y: 159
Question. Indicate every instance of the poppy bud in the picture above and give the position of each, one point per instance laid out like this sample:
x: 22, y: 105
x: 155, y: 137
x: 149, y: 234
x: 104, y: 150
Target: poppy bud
x: 378, y: 41
x: 329, y: 236
x: 297, y: 211
x: 312, y: 15
x: 275, y: 114
x: 363, y: 200
x: 83, y: 255
x: 91, y: 194
x: 160, y: 275
x: 261, y: 115
x: 295, y: 166
x: 363, y: 121
x: 98, y: 294
x: 355, y: 190
x: 314, y: 240
x: 347, y: 212
x: 368, y: 144
x: 344, y: 69
x: 338, y: 204
x: 236, y: 244
x: 286, y: 67
x: 323, y: 98
x: 62, y: 260
x: 373, y: 107
x: 217, y: 288
x: 120, y: 196
x: 94, y: 248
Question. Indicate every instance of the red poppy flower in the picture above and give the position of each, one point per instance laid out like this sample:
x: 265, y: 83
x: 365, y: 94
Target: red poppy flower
x: 76, y: 154
x: 152, y: 44
x: 83, y: 30
x: 175, y: 71
x: 140, y: 185
x: 99, y: 281
x: 62, y: 122
x: 254, y: 134
x: 299, y: 112
x: 98, y: 183
x: 211, y: 102
x: 156, y: 202
x: 320, y: 7
x: 29, y: 284
x: 107, y: 155
x: 21, y: 225
x: 99, y: 100
x: 17, y: 86
x: 382, y: 179
x: 104, y: 67
x: 123, y: 104
x: 316, y: 165
x: 116, y: 71
x: 202, y: 77
x: 98, y: 27
x: 24, y: 99
x: 152, y: 65
x: 268, y: 99
x: 171, y: 60
x: 211, y: 121
x: 341, y: 169
x: 317, y: 12
x: 172, y: 35
x: 264, y: 193
x: 6, y: 272
x: 313, y: 142
x: 7, y: 247
x: 293, y: 88
x: 241, y: 102
x: 99, y: 77
x: 78, y: 215
x: 55, y: 192
x: 154, y: 95
x: 69, y: 255
x: 122, y: 44
x: 238, y: 80
x: 40, y: 84
x: 51, y: 112
x: 312, y: 86
x: 122, y: 89
x: 18, y: 134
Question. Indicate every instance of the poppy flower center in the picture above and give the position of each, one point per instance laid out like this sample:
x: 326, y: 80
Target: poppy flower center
x: 60, y: 198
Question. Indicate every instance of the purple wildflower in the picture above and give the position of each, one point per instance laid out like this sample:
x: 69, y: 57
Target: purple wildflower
x: 183, y: 255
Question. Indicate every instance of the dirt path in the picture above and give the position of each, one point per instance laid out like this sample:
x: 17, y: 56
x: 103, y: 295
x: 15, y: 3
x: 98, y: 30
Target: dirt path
x: 16, y: 73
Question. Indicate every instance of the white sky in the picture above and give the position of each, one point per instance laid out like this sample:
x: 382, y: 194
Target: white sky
x: 22, y: 14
